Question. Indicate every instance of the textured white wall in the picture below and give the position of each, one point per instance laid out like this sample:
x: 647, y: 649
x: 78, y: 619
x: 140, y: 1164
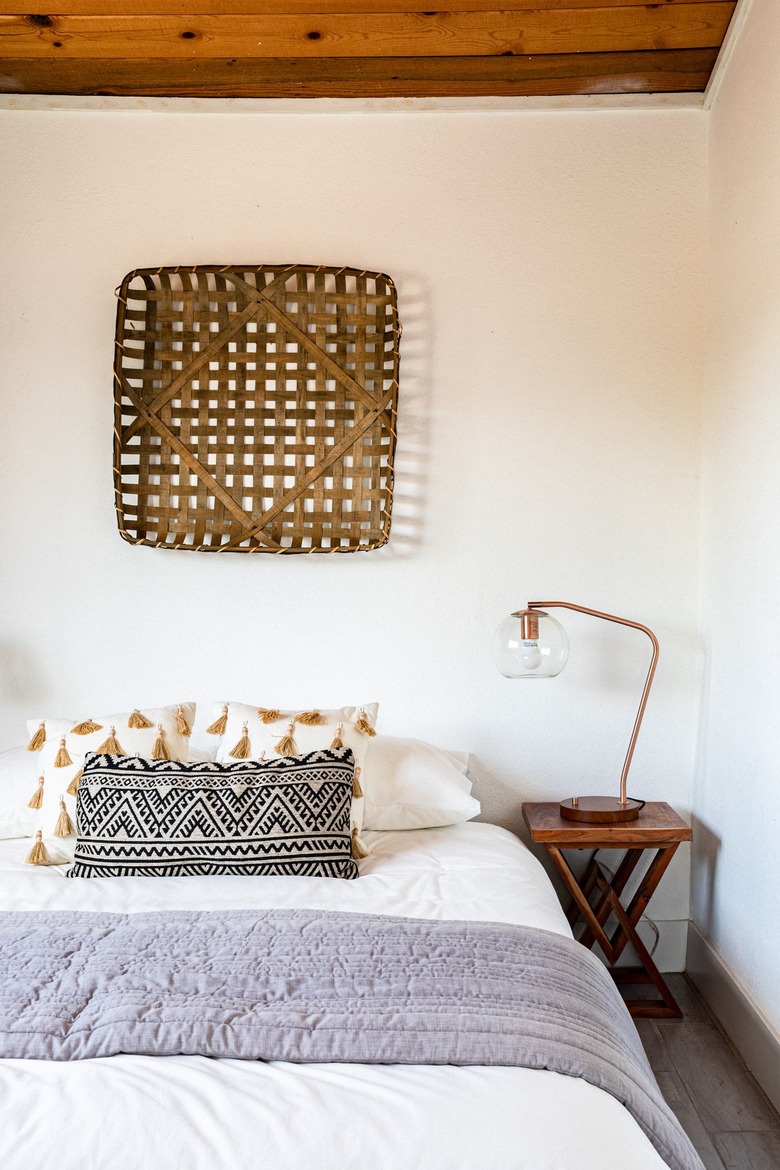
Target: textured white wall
x: 737, y: 863
x: 550, y: 271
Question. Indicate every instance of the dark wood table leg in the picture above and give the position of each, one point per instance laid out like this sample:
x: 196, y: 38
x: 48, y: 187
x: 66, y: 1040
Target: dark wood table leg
x: 586, y: 884
x: 624, y: 871
x: 582, y: 903
x: 644, y: 893
x: 666, y: 1007
x: 595, y: 918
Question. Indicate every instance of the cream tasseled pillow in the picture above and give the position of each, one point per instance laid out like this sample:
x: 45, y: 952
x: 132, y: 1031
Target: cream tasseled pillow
x: 247, y: 732
x: 160, y: 733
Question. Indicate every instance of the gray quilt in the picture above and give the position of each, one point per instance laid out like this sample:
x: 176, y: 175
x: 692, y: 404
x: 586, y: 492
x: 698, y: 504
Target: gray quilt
x: 303, y: 985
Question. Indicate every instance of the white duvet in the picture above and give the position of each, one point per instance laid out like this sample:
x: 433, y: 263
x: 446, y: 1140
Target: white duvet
x: 193, y: 1113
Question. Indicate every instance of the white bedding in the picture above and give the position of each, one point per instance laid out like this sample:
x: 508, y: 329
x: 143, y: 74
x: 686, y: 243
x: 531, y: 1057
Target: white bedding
x: 192, y: 1113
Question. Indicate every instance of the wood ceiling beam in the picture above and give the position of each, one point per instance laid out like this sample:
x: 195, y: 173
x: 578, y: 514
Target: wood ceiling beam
x: 290, y: 7
x: 622, y: 28
x: 680, y: 70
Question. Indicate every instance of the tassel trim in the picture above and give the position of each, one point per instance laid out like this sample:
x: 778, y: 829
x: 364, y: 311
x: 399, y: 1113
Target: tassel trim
x: 182, y: 724
x: 73, y: 787
x: 310, y: 718
x: 62, y: 758
x: 38, y: 854
x: 38, y: 739
x: 357, y: 791
x: 111, y: 747
x: 36, y: 800
x: 359, y: 851
x: 86, y: 728
x: 287, y: 745
x: 64, y: 826
x: 219, y: 726
x: 243, y: 749
x: 337, y: 740
x: 268, y: 714
x: 138, y: 721
x: 362, y: 725
x: 160, y: 749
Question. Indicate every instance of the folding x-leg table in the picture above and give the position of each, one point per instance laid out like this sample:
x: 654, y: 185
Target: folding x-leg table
x: 596, y: 894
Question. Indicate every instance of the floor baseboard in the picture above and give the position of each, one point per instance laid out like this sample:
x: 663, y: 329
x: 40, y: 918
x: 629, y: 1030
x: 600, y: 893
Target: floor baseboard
x: 747, y: 1029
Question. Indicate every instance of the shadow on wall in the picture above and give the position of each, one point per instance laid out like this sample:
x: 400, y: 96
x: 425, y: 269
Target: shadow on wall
x: 414, y: 424
x: 500, y: 800
x: 24, y: 685
x: 21, y: 677
x: 706, y: 847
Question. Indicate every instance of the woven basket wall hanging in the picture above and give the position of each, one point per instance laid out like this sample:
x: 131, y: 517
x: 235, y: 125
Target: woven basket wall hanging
x: 255, y: 408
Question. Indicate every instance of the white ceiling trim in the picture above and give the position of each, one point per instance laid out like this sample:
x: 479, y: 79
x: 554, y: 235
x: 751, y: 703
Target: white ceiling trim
x: 355, y: 106
x: 726, y: 51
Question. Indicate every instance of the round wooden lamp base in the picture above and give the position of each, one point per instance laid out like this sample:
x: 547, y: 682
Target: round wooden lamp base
x: 600, y: 810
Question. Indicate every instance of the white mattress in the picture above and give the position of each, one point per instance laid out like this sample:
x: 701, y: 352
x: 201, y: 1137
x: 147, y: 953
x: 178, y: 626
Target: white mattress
x: 140, y: 1113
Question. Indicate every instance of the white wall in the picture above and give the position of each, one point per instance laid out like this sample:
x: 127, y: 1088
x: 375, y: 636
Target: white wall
x: 550, y: 271
x: 737, y: 866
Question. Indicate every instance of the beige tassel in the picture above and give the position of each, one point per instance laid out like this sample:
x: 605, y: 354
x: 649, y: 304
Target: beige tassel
x: 311, y: 718
x: 358, y: 850
x: 86, y: 728
x: 64, y: 826
x: 62, y: 758
x: 337, y: 740
x: 219, y: 726
x: 357, y: 791
x: 243, y: 749
x: 182, y: 724
x: 38, y: 740
x: 138, y: 721
x: 160, y: 749
x: 111, y: 747
x: 38, y: 854
x: 73, y: 787
x: 362, y: 725
x: 269, y: 714
x: 36, y: 800
x: 286, y: 745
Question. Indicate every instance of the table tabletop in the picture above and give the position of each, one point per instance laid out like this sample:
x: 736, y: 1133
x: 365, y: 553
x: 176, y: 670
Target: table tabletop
x: 656, y: 824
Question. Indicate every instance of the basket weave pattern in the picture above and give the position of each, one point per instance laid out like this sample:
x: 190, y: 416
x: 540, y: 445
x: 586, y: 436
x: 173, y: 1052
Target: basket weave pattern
x: 255, y: 408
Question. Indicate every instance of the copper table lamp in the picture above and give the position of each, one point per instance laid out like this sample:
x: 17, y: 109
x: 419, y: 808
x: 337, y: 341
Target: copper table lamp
x: 531, y: 644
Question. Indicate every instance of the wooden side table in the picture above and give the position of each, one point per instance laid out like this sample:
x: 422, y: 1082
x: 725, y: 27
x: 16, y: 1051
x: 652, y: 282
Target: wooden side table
x: 658, y: 828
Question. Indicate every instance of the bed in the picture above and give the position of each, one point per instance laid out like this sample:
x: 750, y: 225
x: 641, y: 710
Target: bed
x: 139, y: 1112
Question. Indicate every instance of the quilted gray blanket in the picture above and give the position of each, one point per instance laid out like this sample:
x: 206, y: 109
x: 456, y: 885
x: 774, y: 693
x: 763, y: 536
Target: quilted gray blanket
x: 302, y: 985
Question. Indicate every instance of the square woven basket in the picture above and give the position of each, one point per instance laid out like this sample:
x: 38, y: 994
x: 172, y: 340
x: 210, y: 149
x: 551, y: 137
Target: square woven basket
x: 255, y: 408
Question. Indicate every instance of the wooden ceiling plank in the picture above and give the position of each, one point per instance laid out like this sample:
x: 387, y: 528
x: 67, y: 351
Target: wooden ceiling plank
x: 290, y: 7
x: 626, y: 28
x: 679, y: 70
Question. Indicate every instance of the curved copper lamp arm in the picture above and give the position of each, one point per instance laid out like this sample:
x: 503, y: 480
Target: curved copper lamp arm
x: 608, y: 617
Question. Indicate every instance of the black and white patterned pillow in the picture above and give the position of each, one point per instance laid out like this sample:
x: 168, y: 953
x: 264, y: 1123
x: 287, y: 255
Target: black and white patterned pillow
x: 287, y: 816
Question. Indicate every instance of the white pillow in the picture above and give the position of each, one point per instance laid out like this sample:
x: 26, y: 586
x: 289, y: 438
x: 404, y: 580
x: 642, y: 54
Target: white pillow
x: 133, y: 740
x: 410, y: 784
x: 18, y: 783
x: 258, y: 732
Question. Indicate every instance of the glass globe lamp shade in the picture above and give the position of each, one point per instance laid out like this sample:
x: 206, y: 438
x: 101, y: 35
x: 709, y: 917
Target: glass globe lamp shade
x: 530, y: 644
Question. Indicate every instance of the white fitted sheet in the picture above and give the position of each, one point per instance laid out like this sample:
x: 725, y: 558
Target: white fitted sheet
x: 140, y: 1113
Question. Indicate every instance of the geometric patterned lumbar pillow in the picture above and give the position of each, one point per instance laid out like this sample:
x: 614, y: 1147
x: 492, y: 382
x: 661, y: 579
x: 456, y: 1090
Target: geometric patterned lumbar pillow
x: 145, y: 818
x: 252, y: 732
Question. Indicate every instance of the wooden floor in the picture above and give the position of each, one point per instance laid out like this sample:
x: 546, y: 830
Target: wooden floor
x: 729, y: 1120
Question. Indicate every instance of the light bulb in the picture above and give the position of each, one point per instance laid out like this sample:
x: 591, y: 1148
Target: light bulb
x: 530, y: 654
x: 541, y: 653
